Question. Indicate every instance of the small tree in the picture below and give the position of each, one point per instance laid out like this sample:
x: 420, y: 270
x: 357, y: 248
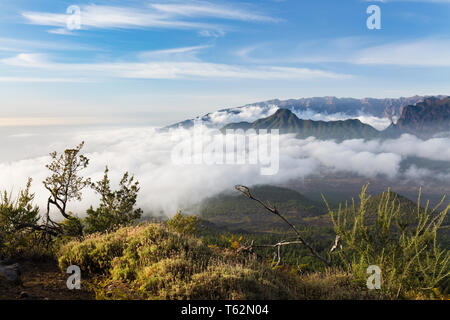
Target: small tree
x: 116, y: 207
x: 184, y: 224
x: 65, y: 183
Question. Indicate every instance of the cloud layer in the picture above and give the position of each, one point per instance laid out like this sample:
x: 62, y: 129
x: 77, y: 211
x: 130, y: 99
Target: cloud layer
x: 166, y: 186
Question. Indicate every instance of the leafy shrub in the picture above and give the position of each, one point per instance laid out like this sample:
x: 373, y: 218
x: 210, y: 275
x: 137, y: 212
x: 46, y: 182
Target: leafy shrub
x: 402, y: 243
x: 18, y: 224
x: 152, y: 262
x: 72, y: 227
x: 186, y: 225
x: 116, y: 207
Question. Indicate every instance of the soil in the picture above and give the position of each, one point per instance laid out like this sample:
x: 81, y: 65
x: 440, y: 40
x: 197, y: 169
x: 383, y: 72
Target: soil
x: 42, y: 281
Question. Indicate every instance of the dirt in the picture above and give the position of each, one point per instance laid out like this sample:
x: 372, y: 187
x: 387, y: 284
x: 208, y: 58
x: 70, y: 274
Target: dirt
x: 43, y: 281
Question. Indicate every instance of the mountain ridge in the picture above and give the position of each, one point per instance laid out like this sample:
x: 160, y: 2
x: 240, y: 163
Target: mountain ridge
x: 390, y: 108
x: 287, y: 122
x: 423, y: 119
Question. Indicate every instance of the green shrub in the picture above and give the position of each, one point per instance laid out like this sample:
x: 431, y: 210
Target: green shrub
x: 402, y: 243
x: 186, y: 225
x: 152, y: 262
x: 72, y: 227
x: 19, y: 234
x: 116, y: 207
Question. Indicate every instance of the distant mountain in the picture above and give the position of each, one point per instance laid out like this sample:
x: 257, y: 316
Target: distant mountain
x: 423, y: 119
x: 389, y: 108
x: 287, y: 122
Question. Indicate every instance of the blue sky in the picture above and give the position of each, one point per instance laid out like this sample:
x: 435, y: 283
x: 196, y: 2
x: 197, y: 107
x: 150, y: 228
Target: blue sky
x: 157, y: 62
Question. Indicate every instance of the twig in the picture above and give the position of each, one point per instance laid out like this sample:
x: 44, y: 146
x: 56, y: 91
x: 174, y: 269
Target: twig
x: 300, y: 240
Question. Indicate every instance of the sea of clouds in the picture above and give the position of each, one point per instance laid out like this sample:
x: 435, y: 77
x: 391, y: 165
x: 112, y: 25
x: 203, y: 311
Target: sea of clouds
x: 167, y: 186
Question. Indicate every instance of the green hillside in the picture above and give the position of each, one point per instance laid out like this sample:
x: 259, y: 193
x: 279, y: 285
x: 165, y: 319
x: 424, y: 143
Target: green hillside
x: 238, y: 213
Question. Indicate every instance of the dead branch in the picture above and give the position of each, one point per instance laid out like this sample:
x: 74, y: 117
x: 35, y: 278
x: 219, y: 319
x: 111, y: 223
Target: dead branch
x: 299, y: 239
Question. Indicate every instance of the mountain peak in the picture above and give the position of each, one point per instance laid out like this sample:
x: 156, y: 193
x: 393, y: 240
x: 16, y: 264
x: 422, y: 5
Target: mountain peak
x: 282, y: 112
x: 286, y: 121
x: 424, y: 118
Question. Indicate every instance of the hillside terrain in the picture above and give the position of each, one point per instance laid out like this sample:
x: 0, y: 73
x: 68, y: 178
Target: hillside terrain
x: 287, y: 122
x: 390, y: 108
x: 235, y: 212
x: 423, y: 119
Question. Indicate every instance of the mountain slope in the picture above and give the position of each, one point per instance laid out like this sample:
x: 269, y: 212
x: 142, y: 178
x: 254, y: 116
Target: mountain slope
x: 390, y: 108
x: 424, y: 119
x: 287, y: 122
x: 236, y: 212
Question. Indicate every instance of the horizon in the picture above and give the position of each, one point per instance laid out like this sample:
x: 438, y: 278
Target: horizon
x: 160, y: 62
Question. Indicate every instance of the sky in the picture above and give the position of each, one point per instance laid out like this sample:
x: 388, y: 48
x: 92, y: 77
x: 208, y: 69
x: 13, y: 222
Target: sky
x: 159, y: 62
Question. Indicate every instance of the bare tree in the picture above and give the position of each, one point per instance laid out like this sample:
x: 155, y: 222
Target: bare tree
x: 65, y: 183
x: 298, y: 239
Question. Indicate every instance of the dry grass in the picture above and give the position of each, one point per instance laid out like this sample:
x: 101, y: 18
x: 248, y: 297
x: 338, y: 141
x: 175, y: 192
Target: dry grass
x: 151, y: 262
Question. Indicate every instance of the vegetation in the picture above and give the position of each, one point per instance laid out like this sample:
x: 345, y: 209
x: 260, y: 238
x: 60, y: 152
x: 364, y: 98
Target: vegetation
x: 116, y: 207
x: 186, y: 225
x: 289, y: 249
x: 65, y: 183
x: 24, y: 233
x: 403, y: 244
x: 19, y: 231
x: 151, y: 262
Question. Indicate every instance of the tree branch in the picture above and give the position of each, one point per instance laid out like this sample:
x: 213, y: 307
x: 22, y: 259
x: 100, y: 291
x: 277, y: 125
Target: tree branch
x: 300, y: 240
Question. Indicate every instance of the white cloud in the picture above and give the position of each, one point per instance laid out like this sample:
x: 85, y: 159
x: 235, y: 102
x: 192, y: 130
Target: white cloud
x: 426, y: 52
x: 40, y: 79
x: 251, y: 113
x: 205, y: 9
x: 176, y: 15
x: 168, y: 69
x: 167, y: 186
x: 105, y: 17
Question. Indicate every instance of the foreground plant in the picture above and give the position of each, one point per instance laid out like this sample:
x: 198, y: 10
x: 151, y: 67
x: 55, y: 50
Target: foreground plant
x: 402, y: 243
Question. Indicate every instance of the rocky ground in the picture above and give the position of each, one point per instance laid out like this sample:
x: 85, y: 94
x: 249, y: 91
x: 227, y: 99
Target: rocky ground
x: 41, y: 281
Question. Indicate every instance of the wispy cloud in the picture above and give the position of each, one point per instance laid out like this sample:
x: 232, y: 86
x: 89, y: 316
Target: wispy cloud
x: 169, y: 69
x: 23, y: 45
x: 426, y: 52
x: 206, y: 9
x: 182, y: 15
x: 183, y: 53
x: 40, y: 79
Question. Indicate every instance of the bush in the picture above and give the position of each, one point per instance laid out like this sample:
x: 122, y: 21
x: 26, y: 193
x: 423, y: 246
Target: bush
x: 72, y: 227
x: 18, y: 224
x: 186, y: 225
x: 116, y: 207
x: 151, y: 262
x: 402, y: 243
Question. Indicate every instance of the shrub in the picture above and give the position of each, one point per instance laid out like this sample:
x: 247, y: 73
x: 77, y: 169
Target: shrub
x: 19, y: 233
x: 152, y: 262
x: 116, y: 207
x: 72, y: 227
x: 403, y: 244
x: 186, y: 225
